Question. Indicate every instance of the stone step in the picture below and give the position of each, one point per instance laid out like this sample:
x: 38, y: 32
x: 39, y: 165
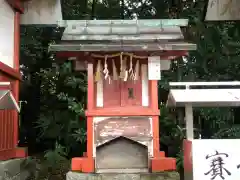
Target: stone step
x: 124, y: 176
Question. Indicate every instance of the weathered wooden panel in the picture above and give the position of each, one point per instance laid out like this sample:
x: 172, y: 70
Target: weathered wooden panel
x: 6, y: 33
x: 41, y: 12
x: 117, y: 93
x: 136, y: 128
x: 8, y: 122
x: 111, y: 93
x: 131, y: 93
x: 223, y: 10
x: 6, y: 130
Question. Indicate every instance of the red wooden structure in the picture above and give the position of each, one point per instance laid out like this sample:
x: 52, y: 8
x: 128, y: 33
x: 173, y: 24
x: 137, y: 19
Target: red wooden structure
x: 9, y: 79
x: 122, y: 102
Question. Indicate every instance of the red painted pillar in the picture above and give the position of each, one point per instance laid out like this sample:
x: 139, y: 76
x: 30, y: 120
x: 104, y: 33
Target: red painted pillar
x: 159, y: 161
x: 16, y: 66
x: 19, y: 152
x: 86, y: 164
x: 90, y: 106
x: 154, y: 105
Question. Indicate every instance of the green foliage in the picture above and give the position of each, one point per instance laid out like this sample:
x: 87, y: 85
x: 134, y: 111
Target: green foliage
x: 171, y: 133
x: 62, y: 106
x: 180, y: 160
x: 56, y: 95
x: 232, y: 132
x: 56, y: 156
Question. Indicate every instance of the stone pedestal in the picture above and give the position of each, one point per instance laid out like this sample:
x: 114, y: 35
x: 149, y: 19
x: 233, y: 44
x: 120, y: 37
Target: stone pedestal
x: 126, y: 176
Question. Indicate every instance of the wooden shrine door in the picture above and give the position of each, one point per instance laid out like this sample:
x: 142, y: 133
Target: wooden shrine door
x: 122, y: 93
x: 131, y: 93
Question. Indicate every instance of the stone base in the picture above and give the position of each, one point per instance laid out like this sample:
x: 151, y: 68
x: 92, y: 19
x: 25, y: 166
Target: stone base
x: 126, y: 176
x: 16, y: 169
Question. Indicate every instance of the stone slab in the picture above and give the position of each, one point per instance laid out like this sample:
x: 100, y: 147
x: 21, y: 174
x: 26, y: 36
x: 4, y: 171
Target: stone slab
x: 124, y: 176
x: 13, y: 166
x: 17, y: 169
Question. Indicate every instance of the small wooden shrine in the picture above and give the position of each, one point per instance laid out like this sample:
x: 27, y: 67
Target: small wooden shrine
x: 124, y: 60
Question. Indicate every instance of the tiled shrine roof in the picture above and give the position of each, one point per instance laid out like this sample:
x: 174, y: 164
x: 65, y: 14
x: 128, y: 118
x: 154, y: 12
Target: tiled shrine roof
x: 123, y: 35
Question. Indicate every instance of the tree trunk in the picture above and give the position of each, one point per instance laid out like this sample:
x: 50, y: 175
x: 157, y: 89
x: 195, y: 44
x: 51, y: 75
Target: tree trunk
x: 93, y: 9
x: 122, y: 9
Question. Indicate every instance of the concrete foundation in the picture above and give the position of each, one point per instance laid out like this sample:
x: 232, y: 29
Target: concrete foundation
x: 125, y: 176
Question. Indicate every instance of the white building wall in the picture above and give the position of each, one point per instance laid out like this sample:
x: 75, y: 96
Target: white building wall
x: 6, y: 34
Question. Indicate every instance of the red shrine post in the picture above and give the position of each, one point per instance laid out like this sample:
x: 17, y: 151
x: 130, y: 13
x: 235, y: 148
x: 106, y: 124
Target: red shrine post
x: 9, y: 79
x: 123, y: 59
